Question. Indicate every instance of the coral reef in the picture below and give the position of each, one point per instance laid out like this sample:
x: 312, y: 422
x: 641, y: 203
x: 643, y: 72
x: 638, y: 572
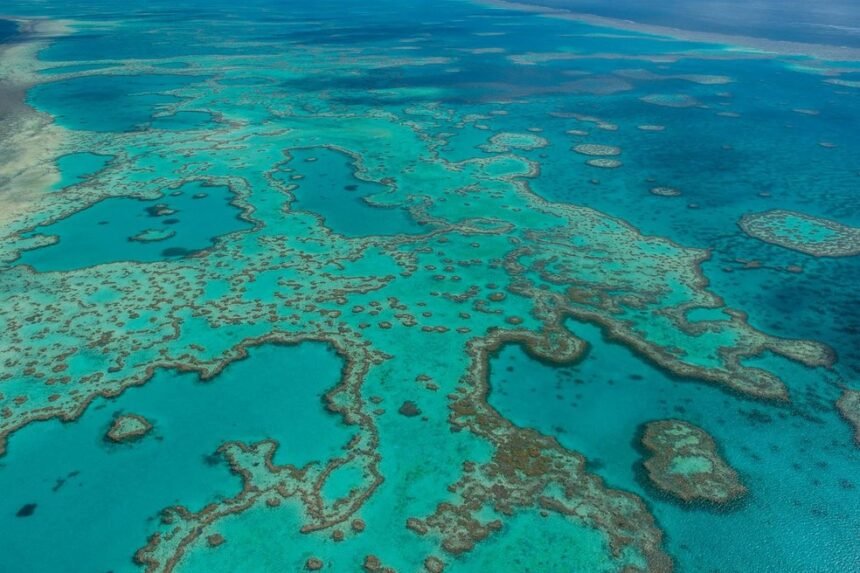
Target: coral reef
x: 685, y: 463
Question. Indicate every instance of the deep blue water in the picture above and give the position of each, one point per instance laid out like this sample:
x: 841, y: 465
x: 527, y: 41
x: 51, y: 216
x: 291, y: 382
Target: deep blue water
x: 7, y: 29
x: 834, y: 22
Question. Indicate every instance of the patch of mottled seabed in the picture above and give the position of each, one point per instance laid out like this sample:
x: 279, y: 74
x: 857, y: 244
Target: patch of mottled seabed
x: 562, y: 547
x: 107, y: 102
x: 684, y: 461
x: 799, y: 465
x: 323, y: 182
x: 73, y: 68
x: 77, y: 167
x: 85, y: 488
x: 270, y: 537
x: 107, y: 231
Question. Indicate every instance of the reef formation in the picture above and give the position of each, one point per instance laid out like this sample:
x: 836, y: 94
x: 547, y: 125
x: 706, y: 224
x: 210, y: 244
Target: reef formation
x: 407, y: 232
x: 684, y: 462
x: 128, y: 428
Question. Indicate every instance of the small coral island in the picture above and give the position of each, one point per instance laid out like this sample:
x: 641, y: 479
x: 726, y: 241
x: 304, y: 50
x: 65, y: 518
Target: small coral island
x: 685, y: 463
x: 128, y: 428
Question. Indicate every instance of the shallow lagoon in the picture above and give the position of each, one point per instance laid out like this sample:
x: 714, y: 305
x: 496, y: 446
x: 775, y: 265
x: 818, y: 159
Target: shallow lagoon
x: 323, y: 183
x: 179, y: 224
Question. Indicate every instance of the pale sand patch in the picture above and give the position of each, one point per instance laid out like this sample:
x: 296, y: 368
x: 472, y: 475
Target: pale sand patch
x: 30, y: 140
x: 701, y: 79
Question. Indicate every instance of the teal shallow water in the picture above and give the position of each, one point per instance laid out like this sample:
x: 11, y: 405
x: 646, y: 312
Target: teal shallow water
x: 325, y: 185
x: 78, y: 167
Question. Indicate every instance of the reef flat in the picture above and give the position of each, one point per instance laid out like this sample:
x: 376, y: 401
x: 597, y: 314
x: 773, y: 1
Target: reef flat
x: 348, y: 289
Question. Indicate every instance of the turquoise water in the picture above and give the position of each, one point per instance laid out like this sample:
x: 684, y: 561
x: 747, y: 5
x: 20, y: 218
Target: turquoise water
x: 797, y: 487
x: 77, y: 167
x: 224, y: 175
x: 61, y: 468
x: 325, y: 185
x: 193, y: 218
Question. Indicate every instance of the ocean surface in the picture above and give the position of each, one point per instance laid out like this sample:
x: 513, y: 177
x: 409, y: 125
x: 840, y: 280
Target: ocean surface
x: 834, y: 22
x: 411, y: 287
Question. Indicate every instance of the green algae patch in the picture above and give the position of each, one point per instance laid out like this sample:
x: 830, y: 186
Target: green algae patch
x: 804, y: 233
x: 685, y: 464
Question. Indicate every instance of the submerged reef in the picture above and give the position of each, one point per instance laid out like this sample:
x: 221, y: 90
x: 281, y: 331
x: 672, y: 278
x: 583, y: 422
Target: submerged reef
x: 665, y: 191
x: 153, y: 235
x: 685, y: 463
x: 849, y: 407
x: 803, y: 233
x: 597, y: 149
